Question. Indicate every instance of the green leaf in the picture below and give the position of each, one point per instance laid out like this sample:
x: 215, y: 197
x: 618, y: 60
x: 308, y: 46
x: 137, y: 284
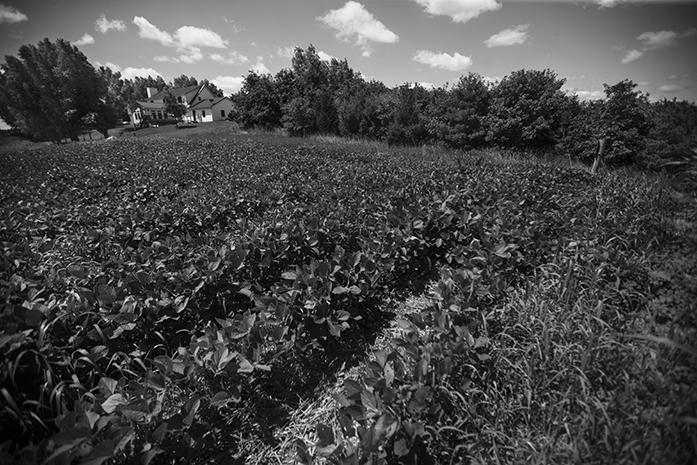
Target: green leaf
x: 112, y: 402
x: 325, y: 435
x: 220, y: 399
x: 401, y: 448
x: 107, y: 386
x: 290, y: 275
x: 147, y: 456
x: 245, y: 366
x: 339, y: 290
x: 191, y: 407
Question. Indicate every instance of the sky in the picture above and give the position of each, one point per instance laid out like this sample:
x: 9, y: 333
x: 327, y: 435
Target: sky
x: 432, y: 42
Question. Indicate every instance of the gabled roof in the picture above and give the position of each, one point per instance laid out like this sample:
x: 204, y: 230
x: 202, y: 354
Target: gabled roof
x: 207, y: 103
x: 175, y: 91
x: 150, y: 105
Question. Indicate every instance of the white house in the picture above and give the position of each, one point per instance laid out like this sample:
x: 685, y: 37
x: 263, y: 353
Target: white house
x: 208, y: 106
x: 210, y: 109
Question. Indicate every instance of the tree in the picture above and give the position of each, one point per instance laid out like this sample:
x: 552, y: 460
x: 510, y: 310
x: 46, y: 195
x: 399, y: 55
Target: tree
x: 408, y: 126
x: 48, y: 89
x: 173, y: 107
x: 184, y: 81
x: 115, y: 92
x: 625, y: 121
x: 311, y: 108
x: 458, y: 116
x: 284, y: 82
x: 524, y: 109
x: 257, y: 102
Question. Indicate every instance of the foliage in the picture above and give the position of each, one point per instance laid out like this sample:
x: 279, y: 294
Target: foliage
x: 48, y: 89
x: 458, y: 116
x: 152, y: 287
x: 173, y: 107
x: 184, y: 81
x: 525, y: 108
x: 258, y: 104
x: 622, y: 119
x: 408, y: 126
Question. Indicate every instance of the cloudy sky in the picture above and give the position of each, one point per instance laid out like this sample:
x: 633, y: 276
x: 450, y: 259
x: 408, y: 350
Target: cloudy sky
x: 588, y: 42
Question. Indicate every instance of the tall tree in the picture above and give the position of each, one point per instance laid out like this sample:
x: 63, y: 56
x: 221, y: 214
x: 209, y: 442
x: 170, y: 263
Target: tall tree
x: 48, y: 89
x: 458, y: 116
x: 524, y: 108
x: 173, y: 107
x: 184, y: 81
x: 258, y: 103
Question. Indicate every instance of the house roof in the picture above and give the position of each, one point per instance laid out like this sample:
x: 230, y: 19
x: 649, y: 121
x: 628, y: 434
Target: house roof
x: 176, y: 91
x: 150, y: 105
x: 207, y: 103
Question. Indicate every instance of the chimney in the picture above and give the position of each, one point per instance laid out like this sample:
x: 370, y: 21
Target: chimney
x: 151, y: 91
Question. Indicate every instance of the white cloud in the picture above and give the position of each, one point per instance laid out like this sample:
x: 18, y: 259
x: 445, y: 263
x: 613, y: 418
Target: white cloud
x: 191, y: 55
x: 460, y: 11
x: 656, y: 40
x: 613, y: 3
x: 260, y: 68
x: 607, y: 3
x: 589, y: 94
x: 632, y: 55
x: 325, y: 56
x: 233, y: 58
x: 108, y: 64
x: 10, y: 14
x: 352, y: 22
x: 424, y: 84
x: 147, y: 30
x: 228, y: 84
x: 103, y: 24
x: 86, y: 39
x: 131, y: 73
x: 191, y: 36
x: 233, y: 25
x: 669, y: 88
x: 454, y: 62
x: 286, y: 52
x: 188, y: 40
x: 166, y: 59
x: 512, y: 36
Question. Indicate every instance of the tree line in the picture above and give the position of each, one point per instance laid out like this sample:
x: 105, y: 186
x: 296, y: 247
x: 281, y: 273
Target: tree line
x: 527, y: 110
x: 50, y: 91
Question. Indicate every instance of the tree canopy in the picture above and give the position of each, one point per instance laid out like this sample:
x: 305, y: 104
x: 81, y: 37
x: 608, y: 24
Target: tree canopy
x: 49, y: 89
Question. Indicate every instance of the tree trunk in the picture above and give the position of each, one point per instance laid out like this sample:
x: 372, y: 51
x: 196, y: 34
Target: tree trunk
x: 598, y: 156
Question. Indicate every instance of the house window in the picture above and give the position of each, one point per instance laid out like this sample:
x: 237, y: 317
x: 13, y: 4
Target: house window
x: 203, y: 113
x: 222, y: 113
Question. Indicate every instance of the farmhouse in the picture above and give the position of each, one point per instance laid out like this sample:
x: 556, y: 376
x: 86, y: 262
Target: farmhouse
x: 201, y: 104
x: 208, y: 110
